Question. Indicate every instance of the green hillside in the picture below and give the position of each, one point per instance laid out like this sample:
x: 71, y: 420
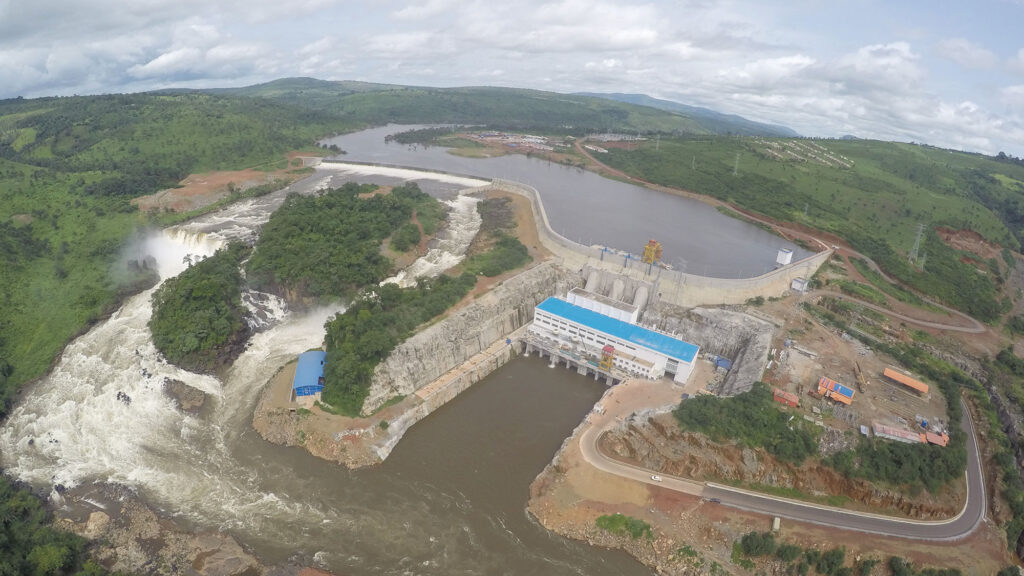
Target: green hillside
x: 715, y: 122
x: 504, y: 108
x: 68, y: 169
x: 873, y: 194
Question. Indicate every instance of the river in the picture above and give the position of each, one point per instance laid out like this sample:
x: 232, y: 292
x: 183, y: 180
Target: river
x: 450, y: 500
x: 590, y: 209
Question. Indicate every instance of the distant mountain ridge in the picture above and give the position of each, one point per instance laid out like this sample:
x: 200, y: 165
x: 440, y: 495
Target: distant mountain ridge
x: 715, y: 122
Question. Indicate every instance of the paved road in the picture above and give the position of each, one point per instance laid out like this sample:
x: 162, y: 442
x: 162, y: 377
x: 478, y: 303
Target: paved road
x: 953, y: 529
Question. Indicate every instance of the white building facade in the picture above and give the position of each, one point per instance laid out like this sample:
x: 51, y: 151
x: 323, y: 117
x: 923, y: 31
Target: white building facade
x: 639, y: 351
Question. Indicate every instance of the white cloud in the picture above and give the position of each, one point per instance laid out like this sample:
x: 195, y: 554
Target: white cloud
x: 419, y: 11
x: 1013, y: 97
x: 1016, y: 64
x: 966, y: 53
x: 807, y: 68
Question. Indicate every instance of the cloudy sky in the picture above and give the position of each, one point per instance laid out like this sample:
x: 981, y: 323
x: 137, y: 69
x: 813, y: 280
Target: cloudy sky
x: 945, y: 73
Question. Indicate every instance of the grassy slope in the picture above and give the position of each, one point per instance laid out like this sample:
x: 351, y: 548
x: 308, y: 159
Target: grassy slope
x: 888, y: 191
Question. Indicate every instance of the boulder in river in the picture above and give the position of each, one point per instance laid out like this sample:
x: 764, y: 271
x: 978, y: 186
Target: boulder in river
x: 188, y: 398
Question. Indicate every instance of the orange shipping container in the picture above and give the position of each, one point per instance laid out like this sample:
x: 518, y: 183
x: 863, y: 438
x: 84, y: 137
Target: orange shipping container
x: 787, y: 398
x: 905, y: 380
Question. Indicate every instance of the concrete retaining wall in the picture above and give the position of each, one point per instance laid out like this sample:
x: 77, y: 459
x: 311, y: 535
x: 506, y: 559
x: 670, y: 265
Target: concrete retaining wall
x: 446, y: 345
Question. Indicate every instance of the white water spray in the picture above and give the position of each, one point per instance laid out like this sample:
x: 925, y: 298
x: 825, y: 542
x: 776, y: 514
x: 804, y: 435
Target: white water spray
x: 451, y: 244
x: 72, y: 428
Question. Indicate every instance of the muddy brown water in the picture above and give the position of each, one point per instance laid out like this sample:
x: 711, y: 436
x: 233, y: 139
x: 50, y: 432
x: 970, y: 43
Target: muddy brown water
x: 451, y: 498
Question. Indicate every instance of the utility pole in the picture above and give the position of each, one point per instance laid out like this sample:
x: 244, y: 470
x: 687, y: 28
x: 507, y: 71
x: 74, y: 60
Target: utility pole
x: 657, y: 145
x: 736, y: 166
x: 917, y: 242
x: 693, y: 162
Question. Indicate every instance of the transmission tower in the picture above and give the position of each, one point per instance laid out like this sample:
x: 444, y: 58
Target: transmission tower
x: 736, y: 166
x: 917, y: 242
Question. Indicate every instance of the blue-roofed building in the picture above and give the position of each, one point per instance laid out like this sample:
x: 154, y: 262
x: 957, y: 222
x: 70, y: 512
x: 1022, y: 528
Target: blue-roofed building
x: 638, y: 351
x: 309, y: 374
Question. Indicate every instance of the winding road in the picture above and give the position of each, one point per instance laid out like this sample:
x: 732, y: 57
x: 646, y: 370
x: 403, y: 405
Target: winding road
x: 956, y: 528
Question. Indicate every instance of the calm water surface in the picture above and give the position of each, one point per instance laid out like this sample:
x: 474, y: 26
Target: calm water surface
x: 590, y: 209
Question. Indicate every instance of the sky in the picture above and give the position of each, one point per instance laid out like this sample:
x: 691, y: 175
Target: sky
x: 949, y: 74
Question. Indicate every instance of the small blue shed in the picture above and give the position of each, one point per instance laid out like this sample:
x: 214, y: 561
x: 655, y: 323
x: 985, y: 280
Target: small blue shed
x: 309, y: 373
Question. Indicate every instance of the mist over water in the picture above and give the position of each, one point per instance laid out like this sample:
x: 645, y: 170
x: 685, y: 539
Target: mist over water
x: 450, y: 500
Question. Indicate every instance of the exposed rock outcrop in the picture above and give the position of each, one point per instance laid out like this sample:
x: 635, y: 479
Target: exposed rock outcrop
x: 657, y: 443
x: 189, y: 399
x: 447, y: 344
x: 131, y: 537
x: 740, y: 337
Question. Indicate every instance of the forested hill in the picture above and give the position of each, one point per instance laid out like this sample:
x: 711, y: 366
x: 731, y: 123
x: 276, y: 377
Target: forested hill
x: 712, y: 120
x: 503, y: 108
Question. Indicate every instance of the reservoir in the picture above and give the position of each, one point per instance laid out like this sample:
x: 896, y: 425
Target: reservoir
x: 590, y: 209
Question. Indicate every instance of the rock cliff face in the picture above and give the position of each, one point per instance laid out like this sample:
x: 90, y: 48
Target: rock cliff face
x: 447, y: 344
x: 740, y: 337
x: 657, y: 443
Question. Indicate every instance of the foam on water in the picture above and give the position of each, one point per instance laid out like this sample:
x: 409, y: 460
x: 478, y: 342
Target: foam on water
x: 450, y: 245
x: 404, y: 173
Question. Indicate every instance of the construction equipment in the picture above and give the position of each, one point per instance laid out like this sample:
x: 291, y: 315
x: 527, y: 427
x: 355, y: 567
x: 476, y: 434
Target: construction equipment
x: 862, y: 383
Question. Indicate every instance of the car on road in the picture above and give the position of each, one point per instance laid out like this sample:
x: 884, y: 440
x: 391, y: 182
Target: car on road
x: 714, y: 501
x: 656, y: 478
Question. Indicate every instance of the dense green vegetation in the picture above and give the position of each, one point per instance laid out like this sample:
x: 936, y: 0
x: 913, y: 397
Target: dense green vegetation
x: 508, y: 253
x: 419, y: 135
x: 622, y: 525
x: 371, y: 327
x: 752, y: 419
x: 68, y: 168
x: 29, y: 545
x: 406, y: 237
x: 876, y: 204
x: 758, y: 543
x: 329, y: 245
x: 495, y: 249
x: 198, y: 317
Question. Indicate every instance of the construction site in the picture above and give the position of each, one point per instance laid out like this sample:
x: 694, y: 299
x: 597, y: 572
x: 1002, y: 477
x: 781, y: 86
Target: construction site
x: 842, y: 384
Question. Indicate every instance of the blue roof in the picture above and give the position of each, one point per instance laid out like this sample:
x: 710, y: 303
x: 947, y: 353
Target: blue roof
x: 638, y: 335
x: 843, y: 390
x: 308, y: 373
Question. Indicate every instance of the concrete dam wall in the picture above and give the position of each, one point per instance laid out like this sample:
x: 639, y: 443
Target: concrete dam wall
x: 674, y: 287
x: 439, y: 348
